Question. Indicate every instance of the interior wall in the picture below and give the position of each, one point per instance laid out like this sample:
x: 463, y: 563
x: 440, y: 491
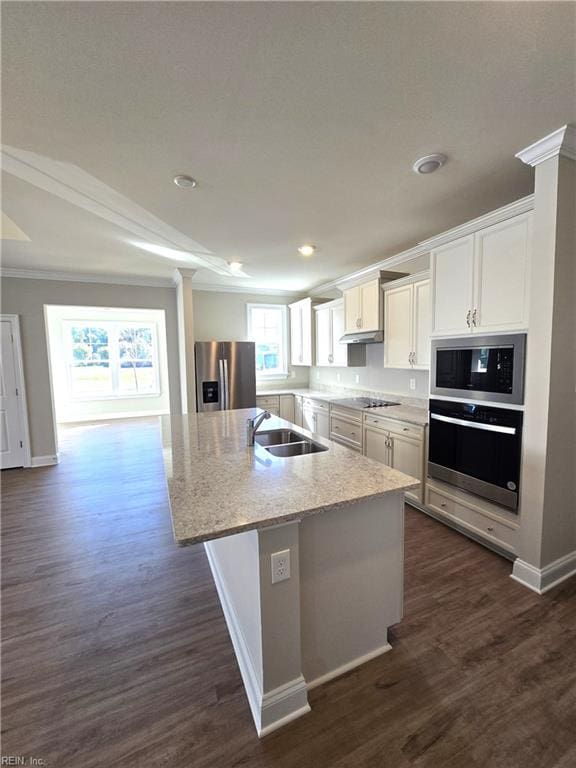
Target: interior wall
x: 70, y: 409
x: 374, y: 377
x: 27, y: 298
x: 223, y: 317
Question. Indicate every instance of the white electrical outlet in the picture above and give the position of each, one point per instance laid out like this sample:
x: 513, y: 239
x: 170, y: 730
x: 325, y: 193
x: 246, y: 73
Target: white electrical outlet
x: 280, y: 565
x: 357, y: 377
x: 412, y: 383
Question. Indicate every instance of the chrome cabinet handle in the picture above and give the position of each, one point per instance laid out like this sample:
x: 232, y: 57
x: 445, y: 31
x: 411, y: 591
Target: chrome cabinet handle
x: 474, y: 317
x: 468, y: 318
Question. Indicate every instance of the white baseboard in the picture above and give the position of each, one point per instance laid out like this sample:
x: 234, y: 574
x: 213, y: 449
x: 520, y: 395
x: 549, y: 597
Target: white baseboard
x: 349, y: 666
x: 270, y: 710
x: 44, y: 461
x: 540, y: 580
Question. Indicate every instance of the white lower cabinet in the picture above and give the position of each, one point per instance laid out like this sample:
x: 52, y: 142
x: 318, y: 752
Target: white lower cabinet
x: 269, y: 403
x: 399, y: 445
x: 287, y: 410
x: 316, y: 416
x: 481, y: 519
x: 298, y: 410
x: 346, y: 427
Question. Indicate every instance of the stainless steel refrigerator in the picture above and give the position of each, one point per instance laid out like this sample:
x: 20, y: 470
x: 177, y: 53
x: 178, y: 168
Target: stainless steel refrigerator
x: 225, y: 375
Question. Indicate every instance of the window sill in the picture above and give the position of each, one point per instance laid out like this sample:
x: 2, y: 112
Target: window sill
x: 92, y: 399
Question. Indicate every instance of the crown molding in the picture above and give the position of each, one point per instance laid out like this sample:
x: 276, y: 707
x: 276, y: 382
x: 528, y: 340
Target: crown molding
x: 373, y: 271
x: 216, y: 288
x: 524, y: 205
x: 560, y: 142
x: 79, y: 277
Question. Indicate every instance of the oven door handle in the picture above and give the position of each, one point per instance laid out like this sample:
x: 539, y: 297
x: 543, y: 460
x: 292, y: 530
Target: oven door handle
x: 474, y: 424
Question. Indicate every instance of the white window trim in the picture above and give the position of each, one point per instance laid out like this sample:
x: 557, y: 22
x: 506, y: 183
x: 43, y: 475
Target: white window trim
x: 284, y: 373
x: 112, y: 327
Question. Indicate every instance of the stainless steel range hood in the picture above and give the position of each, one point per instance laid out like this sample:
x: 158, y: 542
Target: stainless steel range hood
x: 363, y: 337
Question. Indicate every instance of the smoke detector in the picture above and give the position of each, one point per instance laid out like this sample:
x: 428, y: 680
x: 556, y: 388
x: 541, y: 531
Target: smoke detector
x: 429, y: 163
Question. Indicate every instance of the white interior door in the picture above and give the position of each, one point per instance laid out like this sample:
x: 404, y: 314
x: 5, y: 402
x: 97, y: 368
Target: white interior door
x: 11, y: 428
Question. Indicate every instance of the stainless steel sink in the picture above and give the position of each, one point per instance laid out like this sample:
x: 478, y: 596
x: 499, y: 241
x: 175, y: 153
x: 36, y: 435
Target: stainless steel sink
x: 277, y: 437
x: 296, y: 449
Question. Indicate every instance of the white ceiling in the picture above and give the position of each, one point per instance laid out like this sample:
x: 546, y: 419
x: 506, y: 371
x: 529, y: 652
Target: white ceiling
x: 299, y: 120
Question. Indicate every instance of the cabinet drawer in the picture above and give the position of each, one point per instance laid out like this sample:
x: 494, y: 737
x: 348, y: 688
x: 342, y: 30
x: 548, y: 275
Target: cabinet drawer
x: 346, y: 413
x: 486, y: 526
x: 348, y: 432
x: 396, y: 427
x: 439, y: 503
x: 268, y: 401
x: 322, y: 405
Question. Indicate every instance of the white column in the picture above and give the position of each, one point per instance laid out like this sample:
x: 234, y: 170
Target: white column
x: 183, y: 280
x: 548, y: 493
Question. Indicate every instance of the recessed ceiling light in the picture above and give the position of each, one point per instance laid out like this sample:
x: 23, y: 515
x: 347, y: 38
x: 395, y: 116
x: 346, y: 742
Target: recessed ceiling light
x: 185, y: 181
x: 307, y: 250
x: 235, y: 266
x: 429, y: 163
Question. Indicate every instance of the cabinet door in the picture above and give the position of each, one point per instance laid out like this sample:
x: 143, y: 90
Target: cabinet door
x: 306, y: 320
x: 376, y: 445
x: 298, y: 411
x: 339, y: 351
x: 421, y: 325
x: 370, y: 306
x: 308, y: 419
x: 322, y: 424
x: 398, y: 319
x: 408, y: 457
x: 296, y: 354
x: 323, y: 336
x: 452, y: 279
x: 502, y: 263
x: 287, y: 407
x: 352, y: 306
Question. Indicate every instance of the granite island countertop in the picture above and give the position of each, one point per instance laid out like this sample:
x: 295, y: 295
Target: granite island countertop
x: 219, y: 486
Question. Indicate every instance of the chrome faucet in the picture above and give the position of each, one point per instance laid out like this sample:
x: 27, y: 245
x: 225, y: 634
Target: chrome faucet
x: 253, y: 424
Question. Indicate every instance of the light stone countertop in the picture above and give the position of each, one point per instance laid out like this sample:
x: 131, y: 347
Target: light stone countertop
x: 414, y: 414
x: 219, y: 486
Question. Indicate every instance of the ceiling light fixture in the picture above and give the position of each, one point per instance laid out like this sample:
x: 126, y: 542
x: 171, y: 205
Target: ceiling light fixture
x: 307, y: 250
x: 235, y: 266
x: 185, y: 181
x: 429, y: 163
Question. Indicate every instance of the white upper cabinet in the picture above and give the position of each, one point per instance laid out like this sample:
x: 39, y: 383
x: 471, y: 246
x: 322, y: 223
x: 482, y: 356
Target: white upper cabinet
x: 301, y: 332
x: 407, y: 325
x: 502, y: 276
x: 329, y: 331
x: 362, y: 307
x: 480, y: 283
x: 452, y: 267
x: 398, y: 332
x: 422, y: 319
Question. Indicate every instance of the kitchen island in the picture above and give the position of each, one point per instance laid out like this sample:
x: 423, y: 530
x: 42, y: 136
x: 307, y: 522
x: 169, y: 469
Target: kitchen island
x: 333, y: 519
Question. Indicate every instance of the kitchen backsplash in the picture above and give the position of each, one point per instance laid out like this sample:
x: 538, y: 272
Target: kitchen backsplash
x: 373, y: 378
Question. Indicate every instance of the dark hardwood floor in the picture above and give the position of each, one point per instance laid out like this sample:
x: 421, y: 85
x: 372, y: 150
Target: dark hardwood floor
x: 116, y: 653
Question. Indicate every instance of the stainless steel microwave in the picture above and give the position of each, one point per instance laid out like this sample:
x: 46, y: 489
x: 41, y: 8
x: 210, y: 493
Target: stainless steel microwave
x: 479, y: 368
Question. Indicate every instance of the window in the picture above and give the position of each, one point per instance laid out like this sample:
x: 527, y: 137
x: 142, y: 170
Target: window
x: 112, y: 359
x: 268, y: 327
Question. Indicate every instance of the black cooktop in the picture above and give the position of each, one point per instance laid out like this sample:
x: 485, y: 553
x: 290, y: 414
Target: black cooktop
x: 363, y: 402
